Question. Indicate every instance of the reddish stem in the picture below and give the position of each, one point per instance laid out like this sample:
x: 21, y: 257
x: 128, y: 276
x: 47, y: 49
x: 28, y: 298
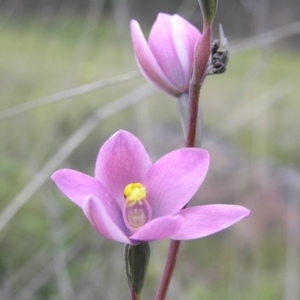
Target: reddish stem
x: 194, y: 93
x: 168, y: 271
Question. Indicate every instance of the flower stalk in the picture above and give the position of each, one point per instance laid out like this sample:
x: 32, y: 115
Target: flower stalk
x: 183, y: 113
x: 202, y: 55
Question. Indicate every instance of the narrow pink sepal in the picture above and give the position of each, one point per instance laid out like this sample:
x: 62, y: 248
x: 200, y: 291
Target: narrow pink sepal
x: 201, y: 221
x: 106, y: 219
x: 121, y: 160
x: 147, y: 62
x: 174, y: 179
x: 77, y: 186
x: 158, y: 229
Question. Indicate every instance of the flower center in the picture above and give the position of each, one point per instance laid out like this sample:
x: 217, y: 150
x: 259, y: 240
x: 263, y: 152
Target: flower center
x: 136, y: 209
x: 134, y: 192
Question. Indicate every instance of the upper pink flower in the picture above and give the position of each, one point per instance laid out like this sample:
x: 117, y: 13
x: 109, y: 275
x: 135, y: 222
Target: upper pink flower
x: 167, y: 59
x: 131, y: 200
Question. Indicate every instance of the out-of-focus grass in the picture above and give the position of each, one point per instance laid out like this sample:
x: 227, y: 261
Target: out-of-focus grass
x: 250, y: 76
x: 39, y: 59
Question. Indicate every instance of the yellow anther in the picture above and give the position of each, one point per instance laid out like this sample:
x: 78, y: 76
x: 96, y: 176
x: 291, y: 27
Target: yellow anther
x: 135, y: 192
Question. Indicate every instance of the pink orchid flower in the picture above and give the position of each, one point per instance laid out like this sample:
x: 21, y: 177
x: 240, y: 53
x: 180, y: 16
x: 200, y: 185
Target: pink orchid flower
x: 131, y: 200
x: 167, y: 59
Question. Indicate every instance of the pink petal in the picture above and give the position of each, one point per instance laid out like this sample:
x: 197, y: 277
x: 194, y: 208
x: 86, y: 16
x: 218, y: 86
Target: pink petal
x: 147, y: 62
x: 174, y: 180
x: 185, y: 36
x: 77, y: 186
x: 106, y: 218
x: 201, y: 221
x: 158, y: 229
x: 121, y: 160
x: 161, y: 43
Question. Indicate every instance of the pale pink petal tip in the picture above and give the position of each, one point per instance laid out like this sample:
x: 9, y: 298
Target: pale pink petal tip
x: 201, y: 221
x: 76, y: 185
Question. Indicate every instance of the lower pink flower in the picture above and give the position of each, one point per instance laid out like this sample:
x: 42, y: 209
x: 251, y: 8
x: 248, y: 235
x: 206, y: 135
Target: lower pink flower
x: 131, y: 200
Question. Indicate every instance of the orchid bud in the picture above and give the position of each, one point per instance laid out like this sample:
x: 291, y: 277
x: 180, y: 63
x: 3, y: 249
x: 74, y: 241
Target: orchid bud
x: 167, y: 58
x: 136, y: 262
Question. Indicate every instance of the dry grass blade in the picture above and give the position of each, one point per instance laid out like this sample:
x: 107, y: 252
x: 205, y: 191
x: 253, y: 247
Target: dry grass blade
x: 267, y: 38
x: 246, y: 113
x: 83, y: 89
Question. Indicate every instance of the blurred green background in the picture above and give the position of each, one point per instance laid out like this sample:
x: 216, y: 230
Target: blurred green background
x: 48, y: 249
